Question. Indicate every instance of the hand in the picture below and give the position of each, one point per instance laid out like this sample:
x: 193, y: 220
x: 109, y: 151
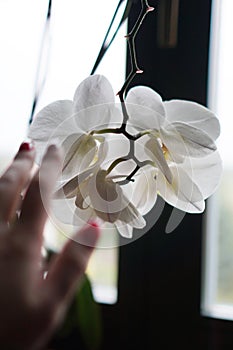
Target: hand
x: 31, y: 306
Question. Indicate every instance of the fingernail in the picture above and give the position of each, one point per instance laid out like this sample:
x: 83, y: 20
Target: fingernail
x: 93, y: 223
x: 26, y: 146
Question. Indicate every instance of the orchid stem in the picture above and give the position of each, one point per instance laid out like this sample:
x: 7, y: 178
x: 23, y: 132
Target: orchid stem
x: 138, y: 167
x: 133, y: 57
x: 132, y: 49
x: 145, y: 9
x: 115, y: 163
x: 120, y: 130
x: 129, y: 177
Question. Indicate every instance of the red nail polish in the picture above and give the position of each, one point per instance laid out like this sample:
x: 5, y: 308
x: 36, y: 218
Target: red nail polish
x: 93, y: 223
x: 26, y: 146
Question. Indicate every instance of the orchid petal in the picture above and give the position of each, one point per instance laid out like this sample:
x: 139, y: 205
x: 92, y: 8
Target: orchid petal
x: 183, y: 193
x: 106, y: 197
x: 68, y: 188
x: 118, y: 147
x: 81, y: 195
x: 116, y: 116
x: 123, y: 169
x: 132, y: 216
x: 79, y: 153
x: 124, y: 229
x: 145, y: 96
x: 98, y: 117
x: 92, y: 91
x: 148, y: 148
x: 110, y: 203
x: 206, y: 172
x: 193, y: 114
x: 154, y: 150
x: 46, y: 127
x: 145, y: 109
x: 145, y: 191
x: 49, y: 118
x: 186, y: 140
x: 142, y: 118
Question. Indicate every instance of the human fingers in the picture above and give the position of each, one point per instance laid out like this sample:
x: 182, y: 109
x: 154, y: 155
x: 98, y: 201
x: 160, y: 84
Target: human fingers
x: 37, y: 199
x: 13, y: 181
x: 66, y: 271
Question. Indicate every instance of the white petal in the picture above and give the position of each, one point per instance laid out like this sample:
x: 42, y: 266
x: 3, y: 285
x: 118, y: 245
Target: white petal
x: 118, y: 147
x: 122, y: 170
x: 79, y: 153
x: 154, y: 150
x: 124, y: 229
x: 110, y: 203
x: 144, y: 191
x: 194, y: 114
x: 206, y: 172
x: 68, y: 188
x: 132, y: 216
x: 82, y: 193
x: 142, y: 118
x: 183, y: 193
x: 149, y: 148
x: 98, y: 117
x: 106, y: 197
x: 49, y: 118
x: 145, y: 109
x: 94, y: 90
x: 185, y: 140
x: 116, y: 116
x: 51, y: 124
x: 145, y: 96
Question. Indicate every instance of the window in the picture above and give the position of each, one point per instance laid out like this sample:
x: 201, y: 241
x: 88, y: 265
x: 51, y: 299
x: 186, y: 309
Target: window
x: 218, y: 284
x: 73, y: 44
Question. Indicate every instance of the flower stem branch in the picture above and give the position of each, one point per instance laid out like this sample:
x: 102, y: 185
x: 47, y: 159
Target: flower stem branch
x: 121, y: 130
x: 131, y: 175
x: 145, y: 9
x: 115, y: 163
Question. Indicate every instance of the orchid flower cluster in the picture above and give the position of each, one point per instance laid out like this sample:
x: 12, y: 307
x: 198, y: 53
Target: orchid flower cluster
x: 113, y: 170
x: 118, y: 157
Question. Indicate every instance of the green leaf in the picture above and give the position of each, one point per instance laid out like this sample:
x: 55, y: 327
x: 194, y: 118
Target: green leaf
x: 89, y: 317
x: 83, y: 319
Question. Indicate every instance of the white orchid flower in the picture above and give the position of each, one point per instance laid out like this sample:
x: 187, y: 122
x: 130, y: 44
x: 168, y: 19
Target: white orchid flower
x: 96, y: 194
x: 100, y: 197
x: 69, y: 123
x: 180, y: 140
